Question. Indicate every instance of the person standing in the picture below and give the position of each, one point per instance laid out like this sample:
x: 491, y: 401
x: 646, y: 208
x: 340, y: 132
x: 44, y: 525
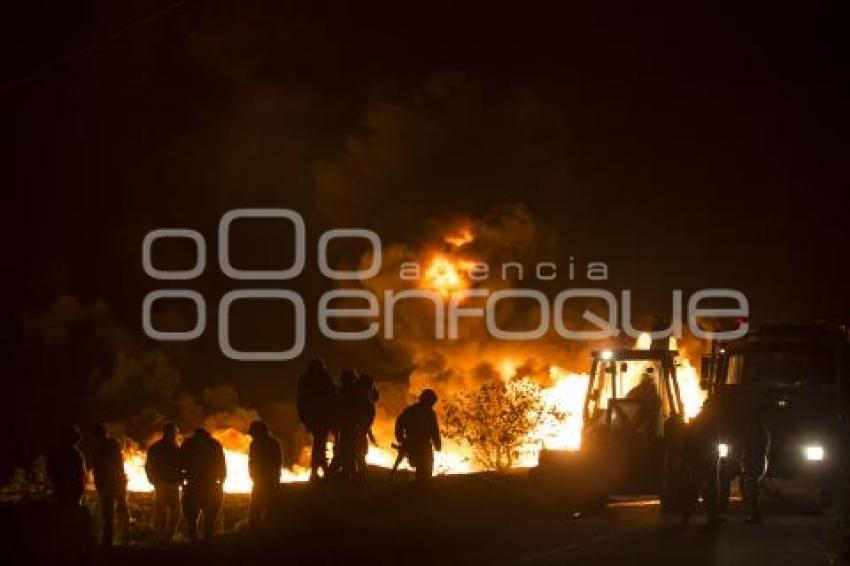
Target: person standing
x: 754, y: 465
x: 315, y: 400
x: 350, y: 432
x: 365, y: 398
x: 204, y: 470
x: 66, y: 469
x: 71, y: 537
x: 700, y: 468
x: 162, y: 467
x: 110, y: 481
x: 264, y: 462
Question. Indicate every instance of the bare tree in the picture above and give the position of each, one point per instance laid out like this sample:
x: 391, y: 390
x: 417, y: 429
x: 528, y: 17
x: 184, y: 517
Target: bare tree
x: 496, y: 419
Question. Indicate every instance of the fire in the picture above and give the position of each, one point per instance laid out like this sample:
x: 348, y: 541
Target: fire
x: 134, y: 468
x: 446, y: 275
x: 236, y: 458
x: 690, y: 391
x: 566, y: 393
x: 235, y: 446
x: 447, y: 461
x: 643, y: 342
x: 460, y: 238
x: 449, y: 269
x: 692, y: 394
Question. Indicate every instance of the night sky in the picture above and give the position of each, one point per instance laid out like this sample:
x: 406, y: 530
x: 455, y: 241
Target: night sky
x: 685, y: 149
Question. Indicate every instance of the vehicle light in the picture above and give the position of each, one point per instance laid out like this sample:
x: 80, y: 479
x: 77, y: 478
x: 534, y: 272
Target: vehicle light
x: 723, y: 450
x: 606, y: 354
x: 813, y: 452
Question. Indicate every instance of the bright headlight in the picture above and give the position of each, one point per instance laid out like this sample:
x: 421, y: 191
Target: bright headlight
x: 723, y: 450
x: 813, y: 452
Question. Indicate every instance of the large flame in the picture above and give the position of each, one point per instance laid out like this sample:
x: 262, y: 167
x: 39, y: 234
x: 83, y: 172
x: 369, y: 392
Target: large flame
x: 235, y: 446
x: 566, y: 393
x: 238, y: 479
x: 447, y: 272
x: 447, y: 275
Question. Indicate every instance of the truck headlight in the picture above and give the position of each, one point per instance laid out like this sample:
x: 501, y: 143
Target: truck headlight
x: 813, y: 452
x: 723, y: 450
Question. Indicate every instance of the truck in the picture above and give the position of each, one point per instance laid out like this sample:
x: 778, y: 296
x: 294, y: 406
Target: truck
x: 792, y: 378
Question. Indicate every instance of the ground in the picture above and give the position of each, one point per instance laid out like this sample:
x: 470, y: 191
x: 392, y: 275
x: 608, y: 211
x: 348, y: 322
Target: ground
x: 481, y: 519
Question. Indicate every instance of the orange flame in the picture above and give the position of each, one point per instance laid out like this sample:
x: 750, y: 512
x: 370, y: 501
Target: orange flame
x: 446, y: 275
x: 460, y: 238
x: 236, y: 458
x: 566, y: 394
x: 238, y: 479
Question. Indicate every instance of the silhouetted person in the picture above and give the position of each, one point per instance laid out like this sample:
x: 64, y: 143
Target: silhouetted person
x: 351, y: 434
x: 700, y: 467
x: 366, y: 395
x: 753, y: 465
x: 66, y: 468
x: 646, y: 419
x: 162, y: 467
x: 107, y: 463
x: 204, y: 471
x: 314, y: 402
x: 264, y: 466
x: 69, y: 537
x: 418, y: 434
x: 674, y: 432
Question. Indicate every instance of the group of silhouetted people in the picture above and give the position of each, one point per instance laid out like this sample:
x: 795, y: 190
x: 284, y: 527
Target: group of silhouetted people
x: 346, y: 414
x: 340, y: 416
x: 197, y: 466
